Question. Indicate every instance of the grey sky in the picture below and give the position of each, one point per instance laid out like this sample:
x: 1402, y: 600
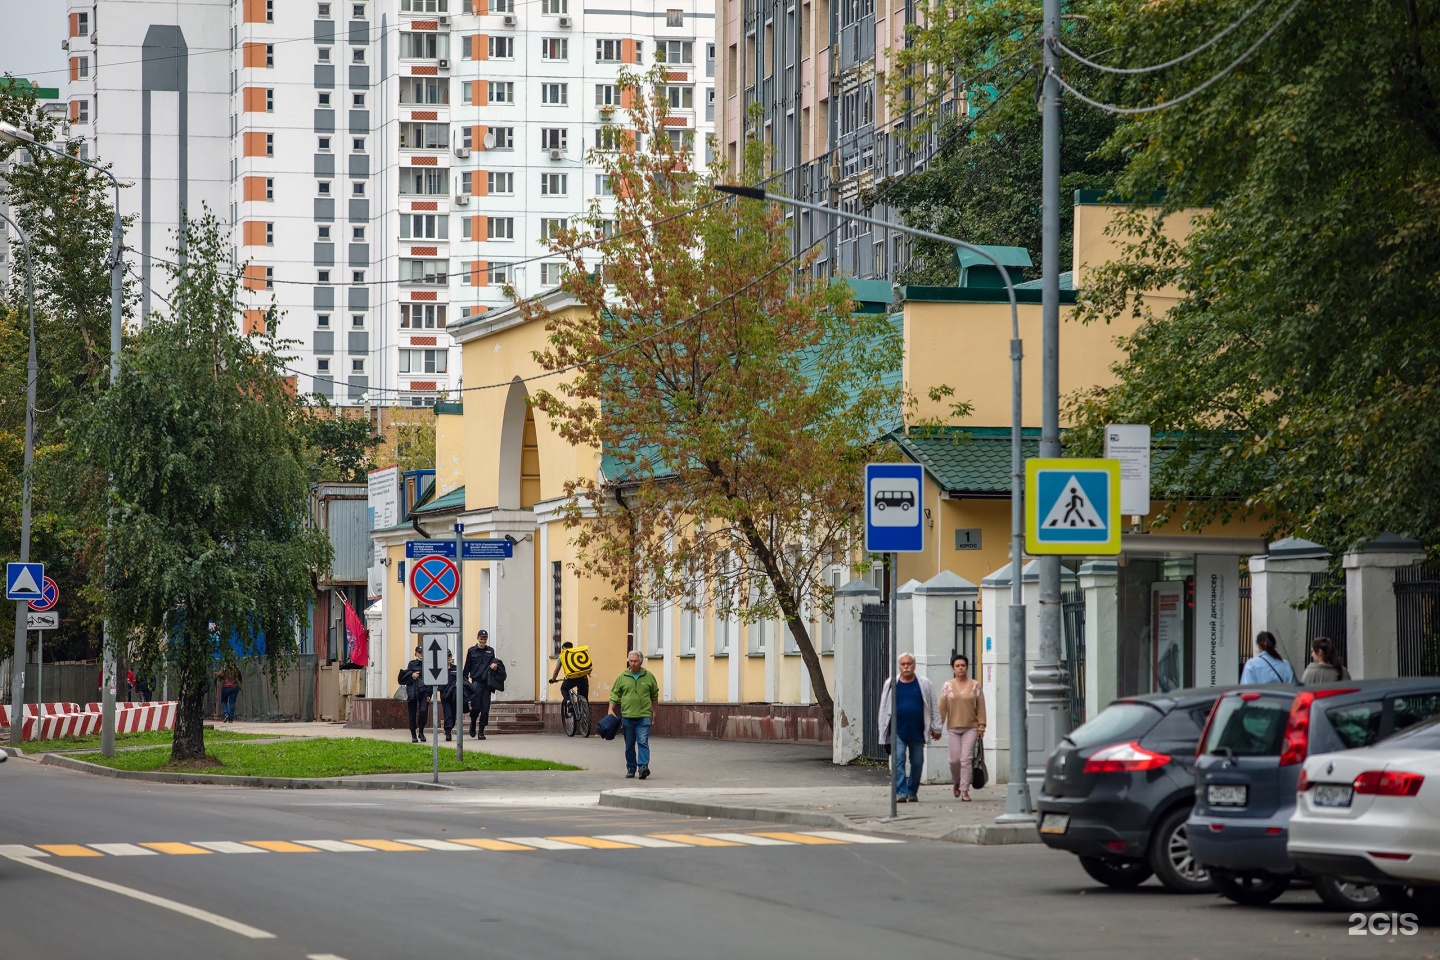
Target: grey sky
x: 30, y: 35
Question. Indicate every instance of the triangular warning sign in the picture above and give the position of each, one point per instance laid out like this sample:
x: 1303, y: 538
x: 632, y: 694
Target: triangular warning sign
x: 25, y: 582
x: 1073, y: 510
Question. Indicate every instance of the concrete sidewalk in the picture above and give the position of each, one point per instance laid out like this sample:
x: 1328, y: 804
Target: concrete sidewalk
x: 774, y: 782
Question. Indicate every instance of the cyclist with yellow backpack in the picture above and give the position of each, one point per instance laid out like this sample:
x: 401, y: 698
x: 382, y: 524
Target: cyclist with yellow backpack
x: 577, y: 666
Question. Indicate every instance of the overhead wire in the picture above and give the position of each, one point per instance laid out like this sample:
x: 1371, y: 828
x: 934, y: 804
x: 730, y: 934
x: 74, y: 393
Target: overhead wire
x: 1155, y: 68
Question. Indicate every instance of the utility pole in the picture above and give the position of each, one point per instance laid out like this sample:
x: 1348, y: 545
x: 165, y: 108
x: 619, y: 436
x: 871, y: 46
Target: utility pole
x: 1049, y: 713
x: 32, y: 376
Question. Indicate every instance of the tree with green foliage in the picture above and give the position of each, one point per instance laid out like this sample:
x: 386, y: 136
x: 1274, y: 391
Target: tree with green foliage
x: 736, y: 398
x: 340, y: 447
x: 206, y: 445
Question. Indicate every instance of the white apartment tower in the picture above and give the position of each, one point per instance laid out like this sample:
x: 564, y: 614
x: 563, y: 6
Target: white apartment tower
x: 384, y: 165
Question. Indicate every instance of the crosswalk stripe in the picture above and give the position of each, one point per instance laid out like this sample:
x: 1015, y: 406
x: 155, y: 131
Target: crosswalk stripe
x: 639, y: 841
x: 440, y: 845
x: 123, y: 850
x: 20, y: 850
x: 68, y: 850
x: 226, y: 846
x: 281, y: 846
x: 337, y: 846
x: 849, y: 837
x: 484, y: 843
x: 540, y: 843
x: 748, y: 840
x: 176, y: 849
x: 802, y: 838
x: 388, y: 846
x: 596, y: 843
x: 695, y: 840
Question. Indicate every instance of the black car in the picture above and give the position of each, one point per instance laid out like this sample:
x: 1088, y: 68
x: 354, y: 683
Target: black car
x: 1249, y: 767
x: 1119, y: 789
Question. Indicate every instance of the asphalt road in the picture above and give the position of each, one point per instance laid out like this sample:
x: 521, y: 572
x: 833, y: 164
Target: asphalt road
x: 790, y: 894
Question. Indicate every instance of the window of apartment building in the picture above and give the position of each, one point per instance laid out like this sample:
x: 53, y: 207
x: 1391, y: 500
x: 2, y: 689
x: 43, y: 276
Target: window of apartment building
x: 608, y: 138
x: 502, y: 6
x: 357, y: 319
x: 424, y: 6
x: 357, y: 100
x: 425, y: 90
x: 674, y: 18
x: 322, y: 276
x: 419, y: 46
x: 422, y: 316
x: 710, y: 104
x: 681, y: 98
x: 423, y: 181
x: 501, y: 228
x: 357, y: 11
x: 423, y: 136
x: 554, y: 184
x: 82, y: 24
x: 358, y: 144
x: 504, y: 138
x: 322, y: 366
x: 502, y: 91
x: 603, y: 185
x: 323, y: 54
x: 430, y: 272
x: 554, y: 7
x: 323, y: 11
x: 82, y: 67
x: 322, y: 231
x: 323, y: 144
x: 502, y: 48
x: 423, y: 226
x: 269, y: 278
x: 269, y: 144
x: 554, y: 138
x: 499, y: 272
x: 683, y: 140
x: 500, y: 182
x: 554, y: 48
x: 322, y: 320
x: 82, y: 111
x: 269, y: 11
x: 552, y: 226
x: 709, y: 59
x: 269, y: 100
x: 678, y: 51
x: 269, y: 188
x: 357, y: 365
x: 357, y: 276
x: 551, y: 273
x: 269, y: 54
x: 357, y: 55
x: 323, y: 98
x: 357, y: 189
x: 422, y: 361
x: 607, y: 95
x: 555, y: 94
x: 357, y: 233
x: 607, y: 51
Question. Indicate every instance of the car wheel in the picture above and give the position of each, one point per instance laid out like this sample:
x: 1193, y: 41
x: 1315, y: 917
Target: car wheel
x: 1424, y: 902
x: 1121, y: 874
x: 1170, y: 857
x: 1344, y: 895
x: 1249, y: 889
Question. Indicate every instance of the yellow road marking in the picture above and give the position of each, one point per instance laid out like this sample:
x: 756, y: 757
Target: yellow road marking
x: 596, y: 843
x: 800, y: 838
x: 68, y: 850
x: 694, y: 840
x: 485, y: 844
x: 177, y: 849
x: 281, y: 846
x: 389, y: 846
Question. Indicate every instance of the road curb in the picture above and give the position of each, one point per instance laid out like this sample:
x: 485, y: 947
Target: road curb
x: 985, y: 834
x: 218, y: 780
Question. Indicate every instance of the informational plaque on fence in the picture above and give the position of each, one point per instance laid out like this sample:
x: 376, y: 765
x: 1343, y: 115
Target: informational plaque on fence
x: 1217, y: 621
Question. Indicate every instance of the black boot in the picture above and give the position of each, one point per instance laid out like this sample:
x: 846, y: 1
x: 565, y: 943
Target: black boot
x: 448, y: 737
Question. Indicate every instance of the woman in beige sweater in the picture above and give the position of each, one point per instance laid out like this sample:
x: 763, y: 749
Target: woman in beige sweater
x: 962, y: 708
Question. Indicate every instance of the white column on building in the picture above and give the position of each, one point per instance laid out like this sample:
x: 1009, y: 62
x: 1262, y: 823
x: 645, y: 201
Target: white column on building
x: 735, y: 657
x: 1370, y: 635
x: 512, y: 599
x: 848, y: 738
x: 1278, y: 581
x: 1099, y: 580
x: 932, y: 610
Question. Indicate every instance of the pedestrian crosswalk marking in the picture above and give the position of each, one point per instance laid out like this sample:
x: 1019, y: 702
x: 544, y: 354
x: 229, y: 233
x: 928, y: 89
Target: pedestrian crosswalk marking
x: 611, y: 841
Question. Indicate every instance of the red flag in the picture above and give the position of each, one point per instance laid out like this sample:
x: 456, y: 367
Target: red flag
x: 356, y: 636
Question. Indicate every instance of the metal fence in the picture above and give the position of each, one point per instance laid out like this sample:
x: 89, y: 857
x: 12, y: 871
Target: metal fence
x: 1247, y: 632
x: 967, y: 630
x: 1072, y: 606
x: 1325, y: 614
x: 875, y: 668
x: 1417, y: 620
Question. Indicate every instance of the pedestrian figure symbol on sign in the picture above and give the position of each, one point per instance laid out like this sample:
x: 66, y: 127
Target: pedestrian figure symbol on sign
x: 1073, y: 509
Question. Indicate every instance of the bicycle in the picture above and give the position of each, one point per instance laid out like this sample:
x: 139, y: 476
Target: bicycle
x: 574, y: 713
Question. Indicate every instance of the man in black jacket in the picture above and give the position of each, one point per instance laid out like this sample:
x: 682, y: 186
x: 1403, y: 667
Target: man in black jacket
x: 417, y: 696
x: 447, y: 699
x: 484, y: 674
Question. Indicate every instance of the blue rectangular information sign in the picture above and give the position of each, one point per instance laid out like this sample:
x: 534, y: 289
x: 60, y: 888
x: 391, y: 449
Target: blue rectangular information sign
x: 415, y: 549
x: 495, y: 549
x: 894, y: 508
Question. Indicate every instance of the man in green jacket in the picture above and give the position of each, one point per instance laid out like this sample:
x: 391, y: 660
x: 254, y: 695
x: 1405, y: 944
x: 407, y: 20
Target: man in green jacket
x: 632, y: 698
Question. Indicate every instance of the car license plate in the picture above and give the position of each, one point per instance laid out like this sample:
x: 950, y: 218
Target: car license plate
x: 1055, y: 823
x: 1227, y: 796
x: 1331, y: 795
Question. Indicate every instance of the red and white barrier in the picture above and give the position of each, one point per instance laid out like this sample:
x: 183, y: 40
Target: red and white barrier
x: 27, y: 723
x: 50, y: 709
x: 68, y: 720
x: 68, y: 725
x: 146, y: 716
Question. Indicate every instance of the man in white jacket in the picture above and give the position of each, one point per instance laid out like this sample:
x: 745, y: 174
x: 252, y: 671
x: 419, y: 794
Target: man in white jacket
x: 917, y: 713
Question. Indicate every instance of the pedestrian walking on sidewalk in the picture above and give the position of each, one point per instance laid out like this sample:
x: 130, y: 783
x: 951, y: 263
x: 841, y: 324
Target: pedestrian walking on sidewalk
x: 1324, y: 665
x: 917, y: 714
x: 1267, y: 666
x: 632, y: 698
x: 229, y: 693
x: 417, y: 695
x: 484, y: 674
x: 962, y: 708
x: 447, y: 699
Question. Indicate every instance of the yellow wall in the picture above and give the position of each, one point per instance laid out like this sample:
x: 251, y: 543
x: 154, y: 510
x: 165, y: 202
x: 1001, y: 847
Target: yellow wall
x: 449, y: 452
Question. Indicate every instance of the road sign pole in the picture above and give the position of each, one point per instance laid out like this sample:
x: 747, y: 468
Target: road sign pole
x: 460, y: 646
x: 894, y: 686
x: 17, y: 675
x: 40, y: 666
x: 435, y: 728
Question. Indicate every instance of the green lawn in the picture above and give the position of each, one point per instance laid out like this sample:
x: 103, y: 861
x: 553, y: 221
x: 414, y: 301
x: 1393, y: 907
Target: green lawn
x: 324, y: 757
x: 145, y: 739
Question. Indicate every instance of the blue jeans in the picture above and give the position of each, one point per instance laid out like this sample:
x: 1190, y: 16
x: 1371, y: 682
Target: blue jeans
x: 227, y: 702
x: 637, y: 742
x: 909, y: 786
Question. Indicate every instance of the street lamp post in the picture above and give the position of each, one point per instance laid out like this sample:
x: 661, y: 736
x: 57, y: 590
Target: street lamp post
x: 1017, y: 796
x: 32, y: 373
x: 9, y: 133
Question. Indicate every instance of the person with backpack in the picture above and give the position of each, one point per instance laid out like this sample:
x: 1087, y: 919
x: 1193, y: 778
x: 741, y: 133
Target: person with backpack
x: 1267, y: 666
x: 1324, y: 665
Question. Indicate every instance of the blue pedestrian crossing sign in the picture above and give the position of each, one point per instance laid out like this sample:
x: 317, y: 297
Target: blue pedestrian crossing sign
x: 894, y: 508
x: 24, y: 581
x: 1072, y: 506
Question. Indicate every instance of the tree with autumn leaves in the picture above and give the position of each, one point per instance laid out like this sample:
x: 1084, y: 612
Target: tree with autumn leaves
x: 736, y: 398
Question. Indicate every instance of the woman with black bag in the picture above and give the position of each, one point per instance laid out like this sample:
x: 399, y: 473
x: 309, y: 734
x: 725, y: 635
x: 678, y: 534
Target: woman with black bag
x: 962, y: 707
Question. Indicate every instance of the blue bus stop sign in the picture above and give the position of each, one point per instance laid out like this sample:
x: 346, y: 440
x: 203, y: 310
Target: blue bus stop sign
x: 894, y: 508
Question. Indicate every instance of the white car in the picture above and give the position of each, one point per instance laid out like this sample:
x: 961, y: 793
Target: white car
x: 1372, y: 815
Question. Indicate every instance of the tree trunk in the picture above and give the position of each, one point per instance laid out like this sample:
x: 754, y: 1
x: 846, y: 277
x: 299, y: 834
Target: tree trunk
x: 801, y: 632
x: 193, y: 681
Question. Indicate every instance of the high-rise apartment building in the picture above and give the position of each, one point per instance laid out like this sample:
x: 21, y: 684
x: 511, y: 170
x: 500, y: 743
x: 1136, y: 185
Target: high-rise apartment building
x: 48, y: 102
x: 384, y: 166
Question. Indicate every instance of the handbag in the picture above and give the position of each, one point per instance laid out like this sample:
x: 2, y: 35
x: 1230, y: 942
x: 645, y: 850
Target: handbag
x: 608, y: 726
x: 978, y: 774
